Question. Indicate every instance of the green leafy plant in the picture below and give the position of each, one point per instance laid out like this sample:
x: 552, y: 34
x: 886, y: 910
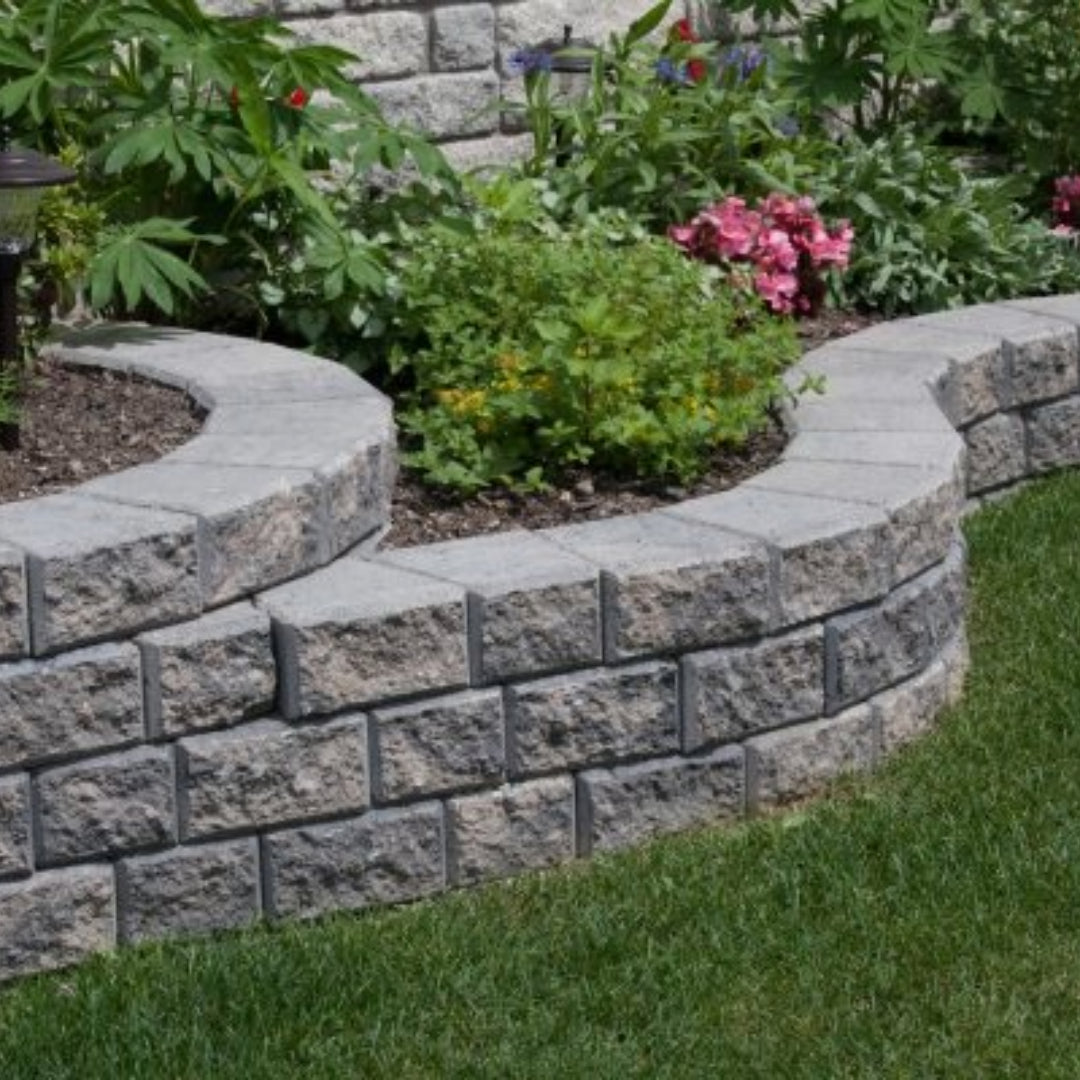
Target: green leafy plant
x: 524, y: 355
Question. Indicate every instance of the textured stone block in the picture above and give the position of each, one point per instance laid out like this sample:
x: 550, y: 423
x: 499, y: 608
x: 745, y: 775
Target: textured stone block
x: 442, y: 106
x: 870, y: 650
x: 734, y: 692
x: 923, y: 449
x: 384, y: 857
x: 124, y: 802
x: 188, y: 890
x: 598, y: 717
x: 524, y: 24
x: 267, y: 773
x: 96, y: 569
x: 518, y: 827
x: 214, y: 671
x: 85, y: 700
x: 974, y: 388
x: 16, y: 858
x: 463, y: 37
x: 56, y: 919
x: 1054, y: 435
x: 996, y: 452
x: 668, y: 583
x: 796, y: 762
x: 622, y: 806
x: 14, y: 618
x: 437, y: 747
x: 388, y: 44
x: 359, y: 632
x: 533, y: 607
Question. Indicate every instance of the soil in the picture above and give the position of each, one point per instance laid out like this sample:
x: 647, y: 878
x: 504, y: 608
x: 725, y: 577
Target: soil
x: 77, y: 424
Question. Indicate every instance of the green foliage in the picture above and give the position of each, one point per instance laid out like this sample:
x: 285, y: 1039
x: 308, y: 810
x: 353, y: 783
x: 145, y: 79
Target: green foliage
x: 527, y: 354
x: 930, y: 237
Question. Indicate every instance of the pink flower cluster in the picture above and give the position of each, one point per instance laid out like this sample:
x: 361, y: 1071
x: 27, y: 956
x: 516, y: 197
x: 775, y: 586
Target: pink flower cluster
x: 1066, y: 205
x: 783, y: 240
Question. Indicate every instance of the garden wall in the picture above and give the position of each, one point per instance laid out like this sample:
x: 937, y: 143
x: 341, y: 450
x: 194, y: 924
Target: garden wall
x: 221, y: 701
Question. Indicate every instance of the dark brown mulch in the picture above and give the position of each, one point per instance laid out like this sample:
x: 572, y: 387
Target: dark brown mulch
x: 77, y: 424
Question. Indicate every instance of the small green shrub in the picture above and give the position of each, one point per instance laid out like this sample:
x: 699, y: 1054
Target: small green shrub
x: 525, y: 355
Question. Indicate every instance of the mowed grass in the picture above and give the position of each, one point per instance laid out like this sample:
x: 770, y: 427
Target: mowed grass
x: 922, y: 923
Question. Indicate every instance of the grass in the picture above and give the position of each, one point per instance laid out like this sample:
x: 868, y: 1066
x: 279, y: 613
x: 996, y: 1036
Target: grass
x: 922, y: 923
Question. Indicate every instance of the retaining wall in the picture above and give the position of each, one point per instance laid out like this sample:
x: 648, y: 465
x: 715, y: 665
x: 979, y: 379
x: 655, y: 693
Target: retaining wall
x: 221, y: 701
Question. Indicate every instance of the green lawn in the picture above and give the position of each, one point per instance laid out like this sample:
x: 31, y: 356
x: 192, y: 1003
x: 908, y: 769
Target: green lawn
x: 925, y: 923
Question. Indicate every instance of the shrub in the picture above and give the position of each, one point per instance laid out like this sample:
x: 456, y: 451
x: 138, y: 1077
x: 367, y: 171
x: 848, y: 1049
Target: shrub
x: 525, y: 355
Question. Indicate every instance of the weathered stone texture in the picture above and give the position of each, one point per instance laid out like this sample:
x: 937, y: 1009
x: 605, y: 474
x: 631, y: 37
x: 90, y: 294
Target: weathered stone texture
x: 973, y: 387
x: 440, y: 746
x: 214, y: 671
x: 188, y: 890
x: 518, y: 827
x: 734, y: 692
x: 594, y: 718
x: 442, y: 105
x: 870, y: 650
x: 996, y: 453
x: 795, y: 762
x: 1042, y: 367
x: 56, y: 919
x: 388, y: 44
x: 15, y: 854
x: 106, y: 805
x: 622, y: 806
x: 267, y: 773
x: 386, y: 856
x: 14, y: 626
x: 85, y: 700
x: 1054, y: 435
x: 463, y: 37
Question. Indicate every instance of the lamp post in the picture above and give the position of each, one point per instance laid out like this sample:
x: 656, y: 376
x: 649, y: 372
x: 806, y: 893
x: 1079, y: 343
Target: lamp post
x: 570, y: 62
x: 24, y: 177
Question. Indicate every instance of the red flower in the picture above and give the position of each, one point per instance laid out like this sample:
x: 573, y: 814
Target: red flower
x: 697, y: 70
x: 234, y: 99
x: 298, y: 98
x: 682, y: 30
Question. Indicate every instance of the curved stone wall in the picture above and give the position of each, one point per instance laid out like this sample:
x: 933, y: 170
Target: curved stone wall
x: 285, y: 741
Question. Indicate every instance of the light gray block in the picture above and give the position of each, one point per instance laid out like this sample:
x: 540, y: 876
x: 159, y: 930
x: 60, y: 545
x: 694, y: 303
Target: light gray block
x: 533, y: 607
x: 257, y: 526
x: 595, y: 718
x: 438, y: 747
x: 14, y: 616
x: 97, y: 569
x: 388, y: 44
x: 188, y: 890
x: 833, y: 413
x: 996, y: 454
x: 383, y: 857
x: 16, y: 857
x: 104, y: 806
x: 84, y: 700
x: 910, y: 710
x: 55, y: 919
x: 923, y: 449
x: 442, y: 106
x: 974, y: 387
x: 623, y: 806
x: 214, y: 671
x: 268, y: 773
x: 734, y: 692
x: 463, y: 37
x: 517, y: 827
x: 359, y: 632
x: 867, y: 651
x: 672, y: 584
x: 1053, y: 433
x: 796, y: 762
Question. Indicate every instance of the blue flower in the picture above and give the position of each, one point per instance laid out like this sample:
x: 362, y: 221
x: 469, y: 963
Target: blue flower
x: 528, y: 61
x: 788, y: 126
x: 744, y: 61
x: 670, y: 72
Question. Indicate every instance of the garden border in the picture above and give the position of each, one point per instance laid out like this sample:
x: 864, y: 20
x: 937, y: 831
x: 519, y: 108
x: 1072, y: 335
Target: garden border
x: 393, y: 723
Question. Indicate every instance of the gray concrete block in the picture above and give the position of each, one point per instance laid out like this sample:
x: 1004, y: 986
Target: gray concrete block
x: 834, y: 413
x: 16, y: 855
x: 996, y: 452
x: 14, y: 616
x: 188, y: 890
x: 383, y: 857
x: 97, y: 569
x: 442, y: 106
x: 268, y: 773
x: 796, y: 762
x: 56, y: 919
x: 622, y: 806
x: 256, y: 526
x: 84, y: 700
x: 438, y: 746
x: 517, y: 827
x: 867, y: 651
x: 533, y: 606
x: 217, y: 670
x: 105, y: 806
x: 359, y: 632
x: 910, y: 710
x: 463, y: 37
x: 672, y: 584
x: 595, y: 718
x: 387, y: 44
x: 921, y: 449
x: 1053, y: 435
x: 734, y: 692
